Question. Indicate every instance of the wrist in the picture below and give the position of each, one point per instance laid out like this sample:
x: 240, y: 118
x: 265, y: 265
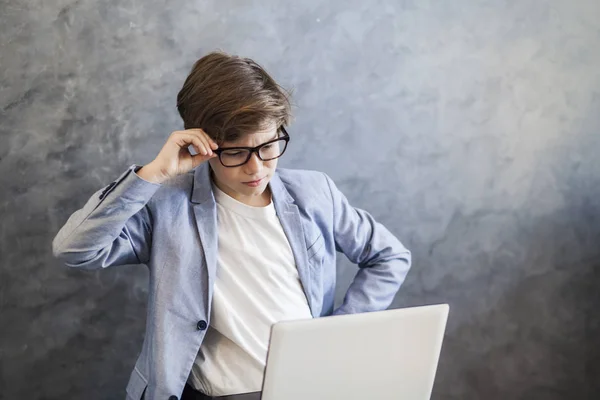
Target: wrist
x: 151, y: 174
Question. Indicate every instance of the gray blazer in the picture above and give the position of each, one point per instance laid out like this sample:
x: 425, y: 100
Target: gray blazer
x: 172, y: 228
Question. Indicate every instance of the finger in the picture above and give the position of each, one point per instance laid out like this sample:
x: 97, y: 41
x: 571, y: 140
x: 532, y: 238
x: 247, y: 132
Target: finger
x: 186, y: 139
x: 199, y: 159
x: 208, y: 143
x: 202, y: 147
x: 211, y: 143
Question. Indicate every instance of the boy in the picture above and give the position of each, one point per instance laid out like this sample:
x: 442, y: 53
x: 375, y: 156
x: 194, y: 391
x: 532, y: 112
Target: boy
x: 232, y: 244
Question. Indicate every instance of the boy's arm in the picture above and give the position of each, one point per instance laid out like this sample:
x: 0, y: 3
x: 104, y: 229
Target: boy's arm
x: 113, y: 228
x: 383, y: 261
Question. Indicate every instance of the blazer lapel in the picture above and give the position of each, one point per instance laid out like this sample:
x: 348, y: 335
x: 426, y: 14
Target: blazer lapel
x: 205, y: 213
x: 289, y: 216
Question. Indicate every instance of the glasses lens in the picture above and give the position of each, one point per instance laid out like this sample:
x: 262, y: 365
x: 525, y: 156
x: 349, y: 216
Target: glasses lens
x: 234, y: 158
x: 231, y: 158
x: 272, y: 150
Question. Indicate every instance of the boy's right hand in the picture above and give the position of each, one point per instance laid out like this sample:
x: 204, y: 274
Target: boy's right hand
x: 175, y: 158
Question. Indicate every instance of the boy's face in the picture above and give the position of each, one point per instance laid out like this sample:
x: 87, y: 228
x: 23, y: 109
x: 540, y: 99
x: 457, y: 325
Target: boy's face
x: 234, y: 180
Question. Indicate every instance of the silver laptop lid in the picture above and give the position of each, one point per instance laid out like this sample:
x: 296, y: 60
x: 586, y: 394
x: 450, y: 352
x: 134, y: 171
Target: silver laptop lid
x: 380, y: 355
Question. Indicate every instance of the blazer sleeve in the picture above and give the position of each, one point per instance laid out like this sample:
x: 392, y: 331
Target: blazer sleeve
x: 114, y: 227
x: 382, y: 259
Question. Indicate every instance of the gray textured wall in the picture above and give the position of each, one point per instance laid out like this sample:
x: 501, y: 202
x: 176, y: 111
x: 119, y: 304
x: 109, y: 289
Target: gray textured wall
x: 469, y: 128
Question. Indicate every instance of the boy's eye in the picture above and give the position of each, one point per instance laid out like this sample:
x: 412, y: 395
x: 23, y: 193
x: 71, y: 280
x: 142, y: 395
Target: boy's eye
x: 233, y: 153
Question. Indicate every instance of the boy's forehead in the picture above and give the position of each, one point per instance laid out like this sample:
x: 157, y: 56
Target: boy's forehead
x: 256, y: 138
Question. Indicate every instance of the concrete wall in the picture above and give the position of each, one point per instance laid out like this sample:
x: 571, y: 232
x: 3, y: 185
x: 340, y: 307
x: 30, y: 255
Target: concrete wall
x: 469, y: 128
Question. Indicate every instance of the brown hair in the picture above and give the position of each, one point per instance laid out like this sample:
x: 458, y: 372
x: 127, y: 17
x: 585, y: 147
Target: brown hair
x: 228, y: 96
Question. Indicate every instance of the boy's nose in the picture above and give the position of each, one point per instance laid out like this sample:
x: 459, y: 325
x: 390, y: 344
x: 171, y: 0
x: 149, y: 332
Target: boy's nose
x: 254, y: 165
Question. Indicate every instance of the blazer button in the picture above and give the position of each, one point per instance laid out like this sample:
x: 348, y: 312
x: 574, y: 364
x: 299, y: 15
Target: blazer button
x: 201, y: 325
x: 173, y: 397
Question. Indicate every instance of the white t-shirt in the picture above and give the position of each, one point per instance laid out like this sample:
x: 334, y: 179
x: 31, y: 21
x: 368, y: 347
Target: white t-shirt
x: 257, y: 285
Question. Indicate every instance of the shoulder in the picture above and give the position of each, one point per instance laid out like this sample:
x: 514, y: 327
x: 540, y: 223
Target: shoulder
x: 305, y: 184
x: 293, y: 176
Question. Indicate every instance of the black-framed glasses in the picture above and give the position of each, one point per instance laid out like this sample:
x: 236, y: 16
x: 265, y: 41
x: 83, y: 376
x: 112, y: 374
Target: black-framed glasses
x: 236, y: 156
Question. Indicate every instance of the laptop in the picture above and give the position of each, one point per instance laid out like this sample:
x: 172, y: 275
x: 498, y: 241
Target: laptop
x: 383, y: 355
